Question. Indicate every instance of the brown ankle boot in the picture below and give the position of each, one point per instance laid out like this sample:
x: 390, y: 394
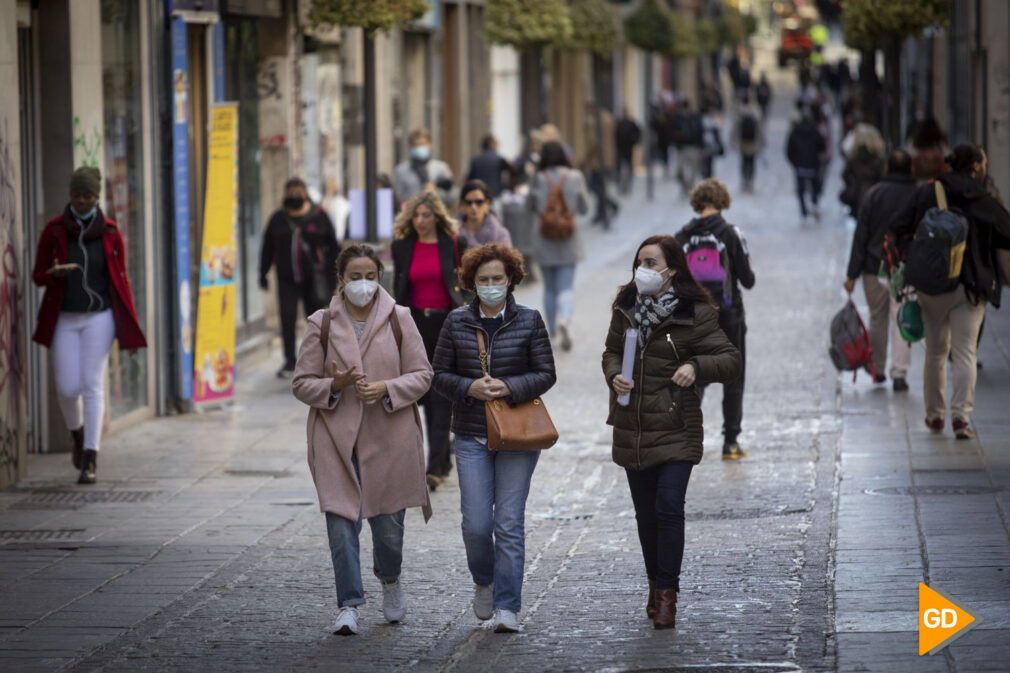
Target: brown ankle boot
x: 650, y: 607
x: 89, y: 465
x: 77, y: 455
x: 666, y: 609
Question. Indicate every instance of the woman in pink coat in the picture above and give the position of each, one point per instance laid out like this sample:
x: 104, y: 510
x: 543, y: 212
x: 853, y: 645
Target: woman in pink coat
x: 366, y: 452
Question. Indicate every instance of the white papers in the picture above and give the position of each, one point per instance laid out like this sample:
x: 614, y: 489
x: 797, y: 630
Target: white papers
x: 628, y: 364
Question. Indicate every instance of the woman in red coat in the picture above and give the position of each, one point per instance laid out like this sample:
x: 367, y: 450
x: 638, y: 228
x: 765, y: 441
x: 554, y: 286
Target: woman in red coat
x: 82, y: 265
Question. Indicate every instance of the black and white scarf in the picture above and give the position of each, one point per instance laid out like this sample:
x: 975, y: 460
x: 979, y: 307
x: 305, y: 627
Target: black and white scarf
x: 650, y: 312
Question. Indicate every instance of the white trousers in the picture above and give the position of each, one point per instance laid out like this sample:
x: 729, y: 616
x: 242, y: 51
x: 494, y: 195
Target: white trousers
x: 884, y: 320
x: 81, y: 346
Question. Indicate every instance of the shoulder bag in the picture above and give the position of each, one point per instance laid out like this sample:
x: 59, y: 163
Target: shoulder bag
x: 525, y: 427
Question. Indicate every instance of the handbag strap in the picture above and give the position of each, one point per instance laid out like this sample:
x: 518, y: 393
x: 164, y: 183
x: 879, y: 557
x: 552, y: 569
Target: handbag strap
x: 482, y: 350
x: 941, y: 196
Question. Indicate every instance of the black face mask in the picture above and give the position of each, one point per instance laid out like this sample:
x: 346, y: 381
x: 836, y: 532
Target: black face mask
x: 293, y: 202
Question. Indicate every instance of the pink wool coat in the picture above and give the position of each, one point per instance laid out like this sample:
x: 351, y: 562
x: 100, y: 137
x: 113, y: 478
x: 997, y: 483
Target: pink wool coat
x: 386, y: 435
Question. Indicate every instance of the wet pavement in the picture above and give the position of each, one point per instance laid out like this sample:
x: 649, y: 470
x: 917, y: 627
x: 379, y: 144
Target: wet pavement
x: 202, y: 547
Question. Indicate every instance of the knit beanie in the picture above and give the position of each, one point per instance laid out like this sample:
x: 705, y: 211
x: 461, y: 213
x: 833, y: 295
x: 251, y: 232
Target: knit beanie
x: 87, y: 179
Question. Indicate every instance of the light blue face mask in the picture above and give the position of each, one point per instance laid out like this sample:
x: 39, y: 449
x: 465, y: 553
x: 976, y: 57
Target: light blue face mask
x: 84, y: 216
x: 420, y: 152
x: 492, y: 295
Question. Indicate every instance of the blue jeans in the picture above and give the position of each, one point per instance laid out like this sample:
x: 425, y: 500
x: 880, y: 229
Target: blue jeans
x: 559, y: 298
x: 493, y: 487
x: 387, y: 551
x: 658, y: 494
x: 807, y: 180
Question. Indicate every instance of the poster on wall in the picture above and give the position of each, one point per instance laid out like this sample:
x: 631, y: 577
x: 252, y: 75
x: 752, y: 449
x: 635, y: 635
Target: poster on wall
x: 180, y: 231
x: 214, y: 362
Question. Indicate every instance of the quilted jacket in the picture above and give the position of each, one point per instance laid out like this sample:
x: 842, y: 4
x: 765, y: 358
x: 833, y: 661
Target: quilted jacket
x: 519, y: 354
x: 663, y: 421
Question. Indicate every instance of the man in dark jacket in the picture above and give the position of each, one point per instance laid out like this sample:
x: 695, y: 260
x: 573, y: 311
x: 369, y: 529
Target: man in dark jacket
x: 803, y: 149
x: 628, y: 134
x: 952, y: 320
x: 890, y: 199
x: 489, y: 166
x: 708, y: 199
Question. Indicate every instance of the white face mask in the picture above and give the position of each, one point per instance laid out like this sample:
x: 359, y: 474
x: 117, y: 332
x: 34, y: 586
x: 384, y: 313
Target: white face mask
x: 649, y: 281
x: 492, y: 295
x: 360, y: 292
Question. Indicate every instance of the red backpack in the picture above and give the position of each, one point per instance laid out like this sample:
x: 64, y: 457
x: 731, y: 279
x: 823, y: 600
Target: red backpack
x: 850, y: 348
x: 557, y: 223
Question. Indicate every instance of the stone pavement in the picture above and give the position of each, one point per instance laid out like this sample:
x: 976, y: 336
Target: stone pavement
x: 202, y: 547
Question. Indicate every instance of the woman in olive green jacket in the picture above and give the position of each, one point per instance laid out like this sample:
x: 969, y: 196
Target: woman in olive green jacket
x: 658, y: 434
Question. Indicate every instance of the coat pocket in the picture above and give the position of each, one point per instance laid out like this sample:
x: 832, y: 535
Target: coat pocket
x: 675, y: 406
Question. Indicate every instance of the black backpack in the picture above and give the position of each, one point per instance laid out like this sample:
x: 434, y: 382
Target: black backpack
x: 936, y: 255
x: 748, y: 127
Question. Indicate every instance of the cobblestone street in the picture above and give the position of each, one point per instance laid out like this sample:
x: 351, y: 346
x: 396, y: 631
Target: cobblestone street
x: 201, y: 547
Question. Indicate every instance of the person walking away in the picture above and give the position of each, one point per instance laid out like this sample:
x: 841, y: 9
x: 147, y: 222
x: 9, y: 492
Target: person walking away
x: 493, y: 485
x: 928, y: 146
x: 865, y: 161
x: 599, y: 160
x: 81, y: 263
x: 361, y: 369
x: 892, y: 199
x: 803, y: 149
x: 490, y: 167
x: 426, y: 255
x: 748, y: 138
x: 952, y: 319
x: 689, y: 138
x: 628, y: 135
x: 557, y: 196
x: 718, y: 258
x: 301, y: 243
x: 476, y: 223
x: 763, y: 93
x: 657, y: 436
x: 421, y: 172
x: 712, y: 146
x: 819, y: 111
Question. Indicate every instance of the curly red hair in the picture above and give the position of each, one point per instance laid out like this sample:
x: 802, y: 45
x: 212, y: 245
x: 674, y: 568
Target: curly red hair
x: 474, y: 258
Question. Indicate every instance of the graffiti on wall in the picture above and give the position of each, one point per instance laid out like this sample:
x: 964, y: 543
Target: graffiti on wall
x: 86, y: 148
x: 11, y: 296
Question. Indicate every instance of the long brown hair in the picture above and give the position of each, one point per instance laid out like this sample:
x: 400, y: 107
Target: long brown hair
x: 683, y: 283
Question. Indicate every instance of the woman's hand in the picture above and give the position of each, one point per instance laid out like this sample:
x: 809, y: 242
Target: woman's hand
x: 343, y: 379
x: 684, y: 376
x: 487, y: 389
x: 621, y: 385
x: 370, y: 393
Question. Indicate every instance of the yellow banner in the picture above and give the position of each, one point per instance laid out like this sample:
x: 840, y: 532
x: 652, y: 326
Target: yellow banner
x: 214, y: 361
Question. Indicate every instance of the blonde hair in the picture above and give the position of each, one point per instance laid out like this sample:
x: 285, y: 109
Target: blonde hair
x: 404, y: 225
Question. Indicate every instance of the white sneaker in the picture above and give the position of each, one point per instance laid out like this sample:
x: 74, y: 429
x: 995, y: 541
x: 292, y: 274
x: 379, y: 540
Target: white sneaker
x: 394, y: 603
x: 483, y: 601
x: 347, y: 621
x: 505, y: 621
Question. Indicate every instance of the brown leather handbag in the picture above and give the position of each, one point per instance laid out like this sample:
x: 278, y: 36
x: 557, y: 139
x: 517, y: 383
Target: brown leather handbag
x: 525, y: 427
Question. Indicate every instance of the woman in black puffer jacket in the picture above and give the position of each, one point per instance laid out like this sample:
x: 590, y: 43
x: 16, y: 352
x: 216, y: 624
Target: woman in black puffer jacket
x: 493, y: 485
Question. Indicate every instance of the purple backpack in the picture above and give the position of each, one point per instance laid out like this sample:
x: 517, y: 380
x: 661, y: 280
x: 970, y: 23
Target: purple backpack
x: 708, y: 260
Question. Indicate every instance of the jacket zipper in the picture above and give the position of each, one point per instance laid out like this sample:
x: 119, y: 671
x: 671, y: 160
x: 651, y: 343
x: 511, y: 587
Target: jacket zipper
x: 490, y: 340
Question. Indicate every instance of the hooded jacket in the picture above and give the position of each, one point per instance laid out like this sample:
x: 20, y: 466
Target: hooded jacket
x: 736, y: 248
x: 988, y: 230
x: 519, y: 354
x: 663, y: 421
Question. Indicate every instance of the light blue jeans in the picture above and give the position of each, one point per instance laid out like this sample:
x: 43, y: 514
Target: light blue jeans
x: 559, y: 297
x: 345, y: 551
x: 493, y: 487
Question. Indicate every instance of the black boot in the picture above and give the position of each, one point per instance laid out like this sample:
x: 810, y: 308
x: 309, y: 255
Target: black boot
x: 78, y: 453
x: 88, y: 467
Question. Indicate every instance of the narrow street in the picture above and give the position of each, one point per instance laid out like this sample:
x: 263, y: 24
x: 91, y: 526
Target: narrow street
x: 202, y: 548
